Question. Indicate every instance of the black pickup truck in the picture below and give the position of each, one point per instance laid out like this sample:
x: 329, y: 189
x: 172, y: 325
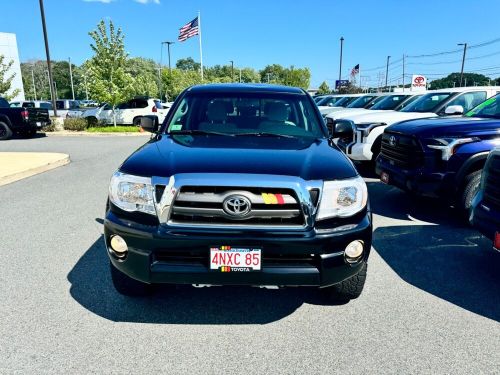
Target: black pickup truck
x: 23, y: 121
x: 240, y: 185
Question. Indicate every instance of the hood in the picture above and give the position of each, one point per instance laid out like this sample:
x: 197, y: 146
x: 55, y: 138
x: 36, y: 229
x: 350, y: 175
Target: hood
x: 447, y: 126
x: 167, y: 155
x: 324, y: 109
x: 347, y: 112
x: 388, y: 117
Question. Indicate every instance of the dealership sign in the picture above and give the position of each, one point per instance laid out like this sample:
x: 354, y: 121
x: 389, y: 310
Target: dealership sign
x: 418, y: 82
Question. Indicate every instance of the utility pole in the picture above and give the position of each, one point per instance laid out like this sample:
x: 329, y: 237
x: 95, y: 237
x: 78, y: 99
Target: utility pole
x: 47, y: 52
x: 341, y: 51
x: 55, y: 89
x: 268, y: 74
x: 71, y: 76
x: 232, y: 70
x: 240, y: 75
x: 463, y: 62
x: 387, y: 71
x: 168, y: 51
x: 33, y: 80
x: 403, y: 72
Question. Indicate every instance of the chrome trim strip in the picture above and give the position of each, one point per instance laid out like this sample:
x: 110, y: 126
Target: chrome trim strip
x: 216, y: 212
x: 220, y: 197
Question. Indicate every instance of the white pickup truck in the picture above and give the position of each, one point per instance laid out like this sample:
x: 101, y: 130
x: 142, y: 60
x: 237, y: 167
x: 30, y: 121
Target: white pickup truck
x: 127, y: 113
x: 360, y: 136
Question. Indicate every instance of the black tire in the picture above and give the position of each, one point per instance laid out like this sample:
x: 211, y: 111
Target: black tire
x: 137, y: 121
x: 5, y: 132
x: 470, y: 188
x: 348, y: 289
x: 92, y: 121
x: 377, y: 146
x: 126, y: 285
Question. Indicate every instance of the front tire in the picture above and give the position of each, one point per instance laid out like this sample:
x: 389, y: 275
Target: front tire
x: 5, y: 132
x: 127, y: 286
x: 470, y: 188
x: 348, y: 289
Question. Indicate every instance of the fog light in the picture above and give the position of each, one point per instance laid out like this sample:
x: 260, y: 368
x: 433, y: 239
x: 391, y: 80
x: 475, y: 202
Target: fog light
x: 353, y: 251
x: 119, y: 246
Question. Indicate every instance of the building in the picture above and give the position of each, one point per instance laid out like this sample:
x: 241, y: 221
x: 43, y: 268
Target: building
x: 8, y: 48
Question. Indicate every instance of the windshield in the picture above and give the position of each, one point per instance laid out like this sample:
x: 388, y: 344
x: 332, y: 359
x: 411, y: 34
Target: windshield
x: 487, y: 109
x: 428, y: 102
x: 361, y: 102
x: 389, y: 102
x: 246, y: 114
x: 328, y: 101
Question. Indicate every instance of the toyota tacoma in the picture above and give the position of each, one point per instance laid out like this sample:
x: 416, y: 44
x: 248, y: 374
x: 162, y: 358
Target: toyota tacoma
x: 240, y: 185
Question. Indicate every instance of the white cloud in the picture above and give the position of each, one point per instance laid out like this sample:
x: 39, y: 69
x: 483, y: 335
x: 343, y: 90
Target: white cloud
x: 99, y: 1
x: 147, y: 1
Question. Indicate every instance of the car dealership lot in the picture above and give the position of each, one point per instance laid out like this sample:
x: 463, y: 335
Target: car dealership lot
x: 431, y: 302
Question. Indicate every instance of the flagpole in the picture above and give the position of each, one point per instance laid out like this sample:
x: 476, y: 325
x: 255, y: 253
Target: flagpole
x: 201, y: 50
x: 359, y: 72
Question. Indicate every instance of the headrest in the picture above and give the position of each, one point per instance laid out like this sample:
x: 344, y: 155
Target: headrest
x: 276, y: 111
x: 217, y: 111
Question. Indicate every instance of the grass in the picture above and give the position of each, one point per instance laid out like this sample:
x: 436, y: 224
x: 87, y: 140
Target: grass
x: 113, y: 129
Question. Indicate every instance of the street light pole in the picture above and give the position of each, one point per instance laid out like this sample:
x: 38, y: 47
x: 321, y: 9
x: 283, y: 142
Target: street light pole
x: 341, y: 50
x: 387, y: 71
x: 232, y: 70
x: 463, y: 62
x: 44, y: 27
x: 71, y: 76
x: 168, y: 50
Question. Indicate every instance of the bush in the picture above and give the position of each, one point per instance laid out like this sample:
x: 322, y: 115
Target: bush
x: 75, y: 124
x: 49, y: 128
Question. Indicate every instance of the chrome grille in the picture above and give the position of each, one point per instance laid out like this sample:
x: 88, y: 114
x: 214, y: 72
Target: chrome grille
x: 205, y: 205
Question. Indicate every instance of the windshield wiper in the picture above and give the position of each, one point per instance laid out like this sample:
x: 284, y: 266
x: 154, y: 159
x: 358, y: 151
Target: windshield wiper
x: 199, y: 132
x: 264, y: 134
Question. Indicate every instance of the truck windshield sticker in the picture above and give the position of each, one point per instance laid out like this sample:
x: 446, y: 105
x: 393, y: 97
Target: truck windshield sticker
x: 486, y: 103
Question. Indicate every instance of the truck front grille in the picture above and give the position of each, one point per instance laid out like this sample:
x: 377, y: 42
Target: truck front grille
x: 402, y: 151
x: 204, y: 205
x: 492, y: 184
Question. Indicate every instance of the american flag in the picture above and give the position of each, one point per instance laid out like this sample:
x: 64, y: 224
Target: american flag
x: 188, y: 30
x: 355, y: 70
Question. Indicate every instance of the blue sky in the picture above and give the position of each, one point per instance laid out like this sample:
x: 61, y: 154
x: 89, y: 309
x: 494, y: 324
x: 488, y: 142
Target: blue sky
x: 288, y: 32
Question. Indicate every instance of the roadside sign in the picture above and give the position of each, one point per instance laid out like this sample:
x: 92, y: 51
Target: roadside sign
x: 418, y: 82
x: 341, y: 83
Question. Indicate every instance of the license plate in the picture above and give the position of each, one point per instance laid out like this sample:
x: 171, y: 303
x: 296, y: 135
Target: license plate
x: 384, y: 177
x: 235, y: 259
x: 39, y: 124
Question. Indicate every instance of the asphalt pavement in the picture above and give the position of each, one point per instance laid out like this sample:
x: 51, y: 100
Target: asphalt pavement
x: 431, y: 303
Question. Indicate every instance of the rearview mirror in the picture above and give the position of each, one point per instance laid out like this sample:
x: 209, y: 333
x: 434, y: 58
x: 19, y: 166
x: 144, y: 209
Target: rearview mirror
x: 150, y: 123
x: 454, y: 110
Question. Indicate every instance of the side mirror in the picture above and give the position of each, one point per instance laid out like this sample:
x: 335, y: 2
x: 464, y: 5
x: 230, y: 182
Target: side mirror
x: 454, y: 110
x: 150, y: 123
x: 338, y: 129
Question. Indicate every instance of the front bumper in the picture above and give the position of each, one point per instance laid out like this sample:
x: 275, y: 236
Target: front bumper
x: 159, y: 254
x: 419, y: 181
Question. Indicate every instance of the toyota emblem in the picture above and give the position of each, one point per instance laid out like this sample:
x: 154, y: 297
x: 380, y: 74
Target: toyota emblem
x: 392, y: 140
x: 237, y: 206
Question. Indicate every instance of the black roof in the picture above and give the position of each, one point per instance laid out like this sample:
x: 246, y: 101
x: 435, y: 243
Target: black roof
x: 244, y: 88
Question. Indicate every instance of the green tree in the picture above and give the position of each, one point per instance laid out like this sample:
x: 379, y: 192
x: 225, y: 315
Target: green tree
x: 108, y: 80
x: 177, y: 81
x: 324, y: 89
x: 277, y: 74
x: 188, y: 64
x: 453, y: 79
x: 145, y: 73
x: 6, y: 79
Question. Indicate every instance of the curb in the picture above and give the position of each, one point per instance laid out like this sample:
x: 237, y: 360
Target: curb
x: 61, y: 160
x: 85, y: 134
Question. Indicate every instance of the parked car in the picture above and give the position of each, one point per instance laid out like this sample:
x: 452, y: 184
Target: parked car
x: 240, y: 185
x: 485, y: 214
x: 337, y: 101
x: 441, y: 157
x: 360, y: 136
x: 21, y: 120
x: 127, y: 113
x: 388, y: 102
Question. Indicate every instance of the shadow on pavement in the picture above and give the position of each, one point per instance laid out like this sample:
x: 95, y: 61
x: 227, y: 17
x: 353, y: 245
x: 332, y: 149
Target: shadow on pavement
x: 91, y: 287
x: 18, y: 137
x: 444, y: 257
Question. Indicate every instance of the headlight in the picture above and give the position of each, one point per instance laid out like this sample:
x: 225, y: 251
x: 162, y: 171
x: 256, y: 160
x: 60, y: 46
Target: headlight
x: 132, y: 193
x: 447, y: 146
x: 342, y: 198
